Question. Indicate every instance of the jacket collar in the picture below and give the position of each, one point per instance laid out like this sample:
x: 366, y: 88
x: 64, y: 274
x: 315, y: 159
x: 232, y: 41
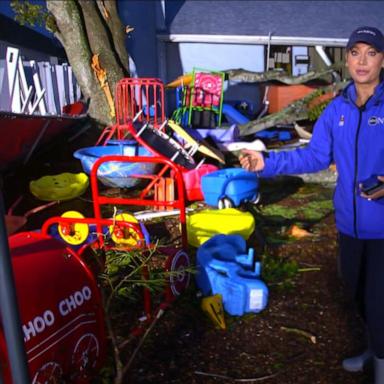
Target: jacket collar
x: 349, y: 94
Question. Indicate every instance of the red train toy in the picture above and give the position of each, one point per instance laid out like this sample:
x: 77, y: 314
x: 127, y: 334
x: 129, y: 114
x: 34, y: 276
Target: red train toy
x: 60, y: 310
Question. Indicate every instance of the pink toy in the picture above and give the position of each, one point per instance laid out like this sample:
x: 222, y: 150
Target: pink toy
x: 208, y: 90
x: 192, y: 181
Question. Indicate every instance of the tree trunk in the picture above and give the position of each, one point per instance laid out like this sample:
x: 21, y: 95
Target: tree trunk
x: 82, y: 32
x: 100, y: 43
x: 108, y: 10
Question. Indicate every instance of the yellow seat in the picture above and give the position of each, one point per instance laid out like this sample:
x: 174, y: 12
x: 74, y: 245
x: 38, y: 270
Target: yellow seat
x: 64, y: 186
x: 202, y: 225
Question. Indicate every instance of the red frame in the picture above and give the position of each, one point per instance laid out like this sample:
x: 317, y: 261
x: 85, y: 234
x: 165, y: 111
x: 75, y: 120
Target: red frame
x: 99, y: 221
x: 129, y: 100
x: 178, y: 203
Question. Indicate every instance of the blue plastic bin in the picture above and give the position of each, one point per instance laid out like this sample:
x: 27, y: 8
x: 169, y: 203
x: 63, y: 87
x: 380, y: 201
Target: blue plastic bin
x: 116, y: 174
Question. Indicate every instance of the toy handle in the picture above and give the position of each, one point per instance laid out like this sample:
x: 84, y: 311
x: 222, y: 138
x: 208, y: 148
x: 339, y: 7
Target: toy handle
x: 257, y: 269
x: 220, y: 266
x: 247, y: 259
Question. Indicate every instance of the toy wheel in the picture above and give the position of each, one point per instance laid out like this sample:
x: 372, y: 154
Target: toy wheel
x: 225, y: 202
x: 228, y: 203
x: 85, y: 354
x: 256, y: 199
x: 49, y: 373
x: 180, y: 277
x: 73, y: 233
x: 123, y: 235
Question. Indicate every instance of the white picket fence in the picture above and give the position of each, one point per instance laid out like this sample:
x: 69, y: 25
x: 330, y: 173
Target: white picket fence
x: 31, y: 87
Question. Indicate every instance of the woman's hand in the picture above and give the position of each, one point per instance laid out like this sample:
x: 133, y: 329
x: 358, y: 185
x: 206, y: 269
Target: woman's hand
x: 252, y: 160
x: 378, y: 194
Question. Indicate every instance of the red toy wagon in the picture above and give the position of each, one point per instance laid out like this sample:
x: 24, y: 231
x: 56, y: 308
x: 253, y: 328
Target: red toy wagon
x: 60, y: 310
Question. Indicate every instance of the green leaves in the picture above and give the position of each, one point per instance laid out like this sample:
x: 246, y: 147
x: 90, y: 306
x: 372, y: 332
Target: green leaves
x: 279, y: 271
x: 127, y: 270
x: 33, y: 14
x: 315, y: 112
x: 27, y: 13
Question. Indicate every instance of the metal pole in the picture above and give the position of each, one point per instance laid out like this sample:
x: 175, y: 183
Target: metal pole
x: 9, y: 309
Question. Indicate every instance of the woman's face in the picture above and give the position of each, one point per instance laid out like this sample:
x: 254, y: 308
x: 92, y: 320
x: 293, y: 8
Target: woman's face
x: 364, y: 63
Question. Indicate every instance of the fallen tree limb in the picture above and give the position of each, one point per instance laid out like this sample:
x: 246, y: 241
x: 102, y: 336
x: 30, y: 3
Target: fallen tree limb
x: 249, y: 380
x: 242, y: 75
x: 298, y: 110
x: 300, y: 332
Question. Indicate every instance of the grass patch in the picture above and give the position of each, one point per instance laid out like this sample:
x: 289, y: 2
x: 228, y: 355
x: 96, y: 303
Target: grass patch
x: 279, y: 272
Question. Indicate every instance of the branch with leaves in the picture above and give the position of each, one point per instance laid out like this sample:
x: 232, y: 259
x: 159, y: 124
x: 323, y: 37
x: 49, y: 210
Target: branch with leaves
x: 296, y: 111
x: 85, y: 29
x: 125, y: 275
x: 242, y: 75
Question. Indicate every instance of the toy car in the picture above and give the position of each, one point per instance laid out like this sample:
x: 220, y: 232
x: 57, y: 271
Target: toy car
x: 230, y: 187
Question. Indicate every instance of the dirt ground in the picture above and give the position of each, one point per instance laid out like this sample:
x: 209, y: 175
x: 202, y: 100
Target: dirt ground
x: 302, y: 335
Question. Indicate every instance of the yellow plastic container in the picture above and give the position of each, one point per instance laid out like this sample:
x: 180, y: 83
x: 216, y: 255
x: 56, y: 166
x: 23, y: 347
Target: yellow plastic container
x: 202, y: 225
x: 64, y: 186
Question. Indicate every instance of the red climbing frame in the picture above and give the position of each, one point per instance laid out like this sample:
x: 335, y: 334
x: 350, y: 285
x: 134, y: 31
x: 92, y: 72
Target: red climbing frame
x: 136, y: 99
x: 140, y: 101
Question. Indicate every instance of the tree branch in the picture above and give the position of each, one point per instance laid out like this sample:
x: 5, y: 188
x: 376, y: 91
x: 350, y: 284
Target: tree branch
x: 243, y: 75
x: 108, y: 10
x: 298, y: 110
x: 99, y: 42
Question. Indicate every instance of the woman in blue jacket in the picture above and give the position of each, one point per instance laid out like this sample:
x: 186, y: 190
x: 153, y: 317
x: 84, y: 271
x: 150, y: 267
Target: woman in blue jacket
x: 350, y: 132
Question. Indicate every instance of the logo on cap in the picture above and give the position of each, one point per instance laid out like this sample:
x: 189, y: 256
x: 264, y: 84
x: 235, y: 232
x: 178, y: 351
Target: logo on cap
x: 368, y: 35
x: 366, y: 31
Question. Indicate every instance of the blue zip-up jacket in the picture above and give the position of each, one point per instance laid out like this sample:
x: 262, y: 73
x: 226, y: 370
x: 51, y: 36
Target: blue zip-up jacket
x: 353, y: 138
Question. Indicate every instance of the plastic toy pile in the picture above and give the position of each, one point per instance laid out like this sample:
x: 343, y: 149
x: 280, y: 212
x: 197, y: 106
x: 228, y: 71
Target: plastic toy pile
x: 166, y: 164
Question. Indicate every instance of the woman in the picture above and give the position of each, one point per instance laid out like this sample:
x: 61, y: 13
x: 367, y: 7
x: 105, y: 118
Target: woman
x: 350, y: 132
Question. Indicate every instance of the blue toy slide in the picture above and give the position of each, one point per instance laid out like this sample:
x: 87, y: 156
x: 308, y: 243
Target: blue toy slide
x: 233, y: 115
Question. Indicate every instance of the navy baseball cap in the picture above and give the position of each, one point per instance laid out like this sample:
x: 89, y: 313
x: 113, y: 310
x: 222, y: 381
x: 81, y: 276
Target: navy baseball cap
x: 367, y: 35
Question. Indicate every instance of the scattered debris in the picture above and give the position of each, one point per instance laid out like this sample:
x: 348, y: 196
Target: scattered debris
x: 300, y: 332
x: 213, y: 306
x: 248, y: 380
x: 298, y: 232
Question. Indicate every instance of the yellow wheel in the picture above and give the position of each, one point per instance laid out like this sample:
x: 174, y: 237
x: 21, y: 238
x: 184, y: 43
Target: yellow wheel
x: 73, y: 233
x: 123, y: 235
